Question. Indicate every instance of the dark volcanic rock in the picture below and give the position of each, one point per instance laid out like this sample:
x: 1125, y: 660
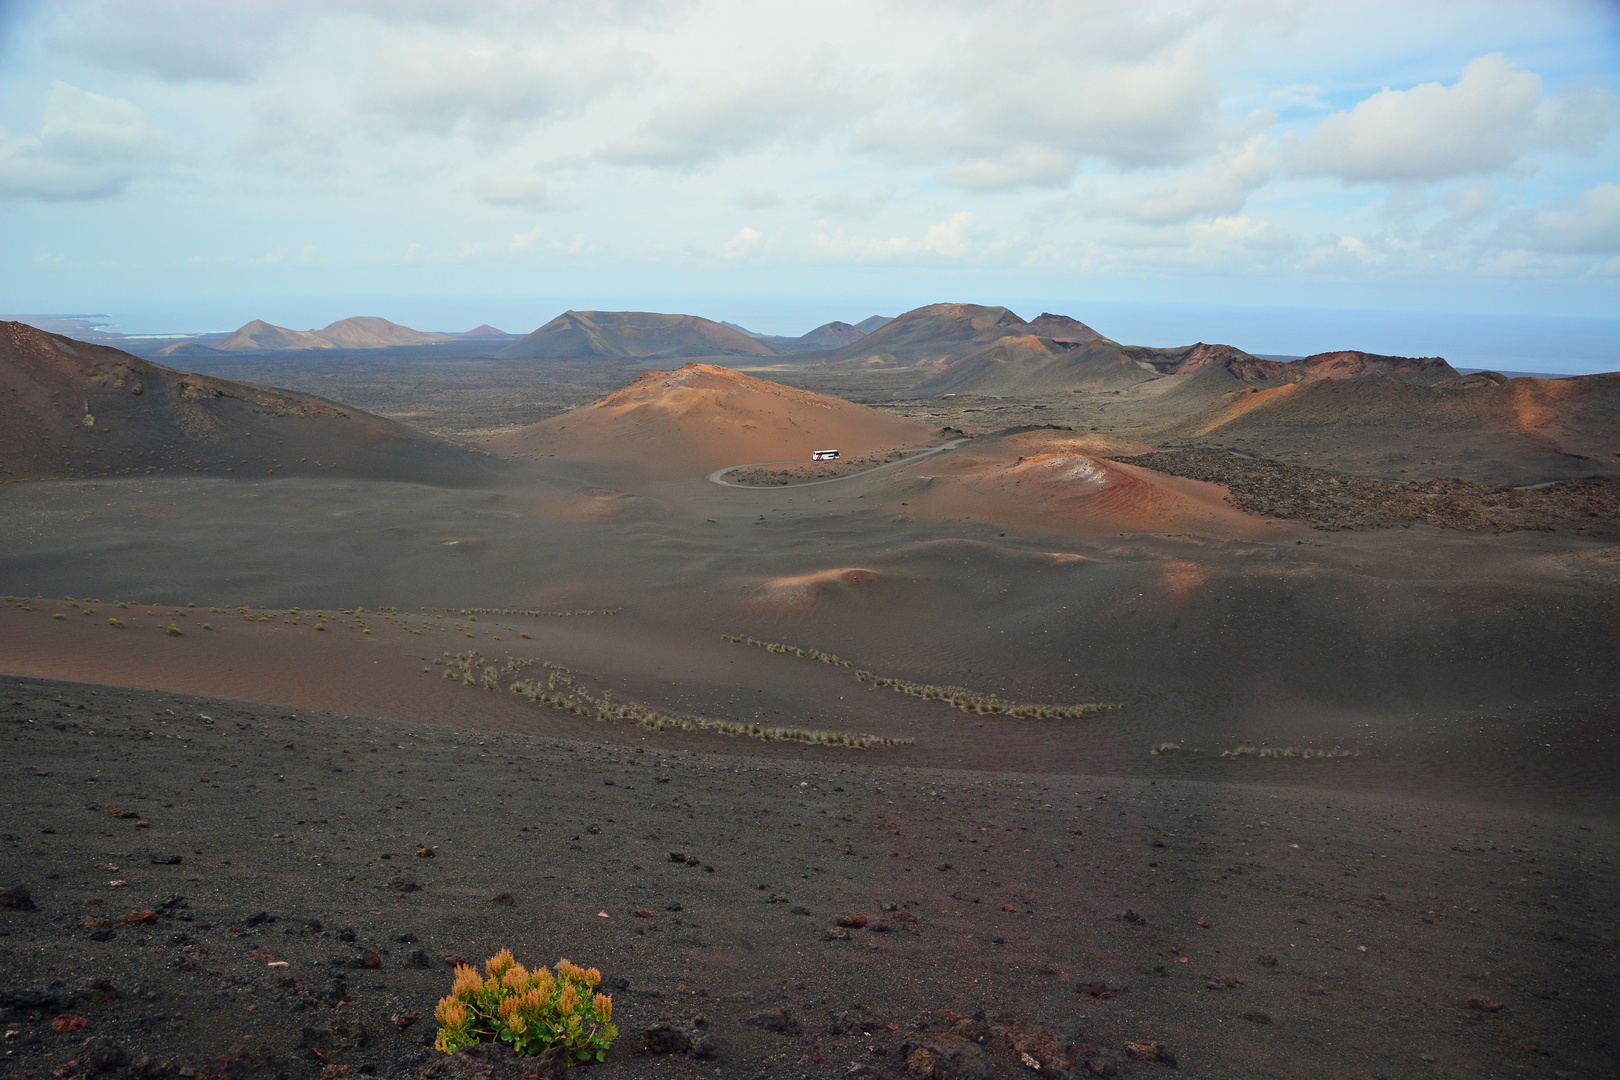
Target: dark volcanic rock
x: 669, y: 1037
x: 21, y: 999
x: 16, y: 898
x: 778, y: 1020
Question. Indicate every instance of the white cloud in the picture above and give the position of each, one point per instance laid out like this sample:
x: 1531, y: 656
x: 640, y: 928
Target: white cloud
x: 737, y: 113
x: 492, y: 87
x: 744, y: 243
x: 88, y: 147
x: 525, y: 241
x: 483, y: 86
x: 1299, y: 96
x: 1031, y: 166
x: 515, y: 189
x: 1016, y: 145
x: 293, y: 135
x: 1465, y: 207
x: 1227, y: 231
x: 1576, y: 120
x: 951, y: 239
x: 1586, y: 225
x: 1482, y: 123
x: 213, y: 42
x: 758, y: 199
x: 1222, y: 186
x: 849, y: 203
x: 1105, y: 83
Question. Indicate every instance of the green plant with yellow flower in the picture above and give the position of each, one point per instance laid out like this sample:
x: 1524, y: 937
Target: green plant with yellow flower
x: 531, y: 1010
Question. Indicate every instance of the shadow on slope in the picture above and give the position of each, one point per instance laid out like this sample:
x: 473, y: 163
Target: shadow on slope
x: 78, y: 410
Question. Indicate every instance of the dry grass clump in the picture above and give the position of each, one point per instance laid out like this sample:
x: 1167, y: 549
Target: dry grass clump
x: 778, y: 647
x: 472, y: 613
x: 960, y: 697
x: 561, y: 690
x: 1287, y: 752
x: 974, y: 702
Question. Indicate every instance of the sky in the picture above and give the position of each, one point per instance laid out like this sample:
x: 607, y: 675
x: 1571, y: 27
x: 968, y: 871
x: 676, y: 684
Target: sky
x: 1294, y: 173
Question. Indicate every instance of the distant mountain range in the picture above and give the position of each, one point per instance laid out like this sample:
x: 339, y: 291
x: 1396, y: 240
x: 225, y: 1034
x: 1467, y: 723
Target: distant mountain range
x: 626, y: 335
x: 361, y: 332
x: 645, y: 335
x: 952, y: 348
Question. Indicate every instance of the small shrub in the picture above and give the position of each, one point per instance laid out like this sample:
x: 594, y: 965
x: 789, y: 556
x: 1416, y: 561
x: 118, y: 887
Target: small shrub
x: 531, y: 1011
x: 117, y: 624
x: 59, y: 615
x: 320, y: 626
x: 172, y: 630
x: 208, y: 626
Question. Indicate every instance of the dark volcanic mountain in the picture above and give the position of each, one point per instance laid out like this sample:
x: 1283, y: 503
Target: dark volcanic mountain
x: 936, y: 334
x: 1027, y: 364
x: 1530, y: 428
x: 833, y: 335
x: 1080, y: 359
x: 188, y: 348
x: 826, y: 337
x: 80, y: 410
x: 632, y: 335
x: 1064, y: 329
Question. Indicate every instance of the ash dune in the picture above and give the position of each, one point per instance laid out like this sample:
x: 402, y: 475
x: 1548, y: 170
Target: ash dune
x: 798, y: 592
x: 702, y: 417
x: 1054, y: 481
x: 76, y: 409
x: 627, y: 335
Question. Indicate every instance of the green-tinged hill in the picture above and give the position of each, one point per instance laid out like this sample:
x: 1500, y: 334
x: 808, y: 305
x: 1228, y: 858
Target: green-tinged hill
x: 361, y: 332
x: 936, y: 334
x: 632, y: 335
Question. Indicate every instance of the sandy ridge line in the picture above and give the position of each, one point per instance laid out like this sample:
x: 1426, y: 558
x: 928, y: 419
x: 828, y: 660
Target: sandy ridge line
x: 718, y: 474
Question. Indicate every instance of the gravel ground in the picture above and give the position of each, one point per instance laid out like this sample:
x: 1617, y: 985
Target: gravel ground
x: 224, y: 890
x: 1333, y: 500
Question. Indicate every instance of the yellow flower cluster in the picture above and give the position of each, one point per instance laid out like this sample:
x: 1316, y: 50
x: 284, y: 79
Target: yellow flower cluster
x: 468, y: 984
x: 570, y: 970
x: 529, y: 1009
x: 450, y: 1012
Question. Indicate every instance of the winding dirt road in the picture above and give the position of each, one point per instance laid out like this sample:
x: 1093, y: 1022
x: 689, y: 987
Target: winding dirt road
x: 718, y: 476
